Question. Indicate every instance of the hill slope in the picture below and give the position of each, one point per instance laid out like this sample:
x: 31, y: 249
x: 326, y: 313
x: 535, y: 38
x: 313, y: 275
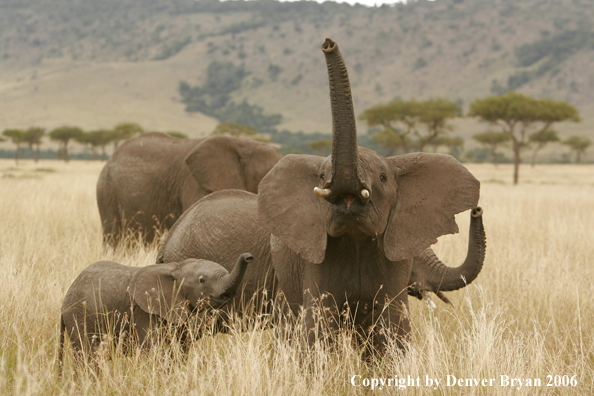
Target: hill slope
x: 94, y: 64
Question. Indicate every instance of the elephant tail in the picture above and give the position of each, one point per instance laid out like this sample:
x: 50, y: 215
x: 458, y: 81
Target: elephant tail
x: 61, y: 346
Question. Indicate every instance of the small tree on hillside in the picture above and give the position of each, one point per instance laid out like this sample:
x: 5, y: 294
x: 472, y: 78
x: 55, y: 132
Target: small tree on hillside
x: 17, y: 137
x: 392, y: 141
x: 96, y: 139
x: 33, y: 138
x: 64, y: 135
x: 517, y: 114
x: 541, y: 139
x: 434, y: 114
x: 492, y: 140
x: 578, y: 144
x: 101, y: 138
x: 399, y: 118
x: 426, y: 120
x: 320, y: 147
x: 454, y: 144
x: 124, y: 131
x: 178, y: 135
x: 238, y: 130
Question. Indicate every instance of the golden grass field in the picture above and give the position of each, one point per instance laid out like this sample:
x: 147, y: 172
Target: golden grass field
x: 528, y: 315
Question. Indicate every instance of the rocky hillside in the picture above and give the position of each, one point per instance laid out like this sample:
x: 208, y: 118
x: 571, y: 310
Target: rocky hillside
x: 96, y: 63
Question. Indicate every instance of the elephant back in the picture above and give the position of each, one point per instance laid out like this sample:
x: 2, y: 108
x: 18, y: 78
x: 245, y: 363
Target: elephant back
x: 220, y: 227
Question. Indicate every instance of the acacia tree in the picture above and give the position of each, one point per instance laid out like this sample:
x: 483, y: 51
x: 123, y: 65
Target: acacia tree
x: 101, y: 138
x: 399, y: 118
x: 64, y: 135
x: 391, y: 141
x: 124, y: 131
x: 32, y: 137
x: 16, y: 136
x: 578, y: 144
x: 96, y: 139
x: 541, y: 139
x: 239, y: 130
x: 434, y: 115
x: 179, y: 135
x: 320, y: 147
x: 518, y: 114
x: 454, y: 144
x: 492, y: 140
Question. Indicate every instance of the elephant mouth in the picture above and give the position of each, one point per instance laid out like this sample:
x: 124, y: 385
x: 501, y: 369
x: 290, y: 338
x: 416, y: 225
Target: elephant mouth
x: 348, y: 205
x: 219, y: 301
x: 348, y: 200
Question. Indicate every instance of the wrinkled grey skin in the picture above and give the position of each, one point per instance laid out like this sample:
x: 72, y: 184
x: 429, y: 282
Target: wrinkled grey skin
x: 360, y: 241
x: 152, y: 179
x: 138, y: 299
x: 216, y: 228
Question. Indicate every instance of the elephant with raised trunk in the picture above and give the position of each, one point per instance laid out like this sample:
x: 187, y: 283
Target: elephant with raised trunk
x: 152, y: 179
x: 350, y: 230
x: 110, y: 298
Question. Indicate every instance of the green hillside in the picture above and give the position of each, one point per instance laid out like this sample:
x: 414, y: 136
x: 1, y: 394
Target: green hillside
x: 96, y: 63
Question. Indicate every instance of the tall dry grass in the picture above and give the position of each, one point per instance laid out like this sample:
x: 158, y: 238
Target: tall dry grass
x: 528, y: 315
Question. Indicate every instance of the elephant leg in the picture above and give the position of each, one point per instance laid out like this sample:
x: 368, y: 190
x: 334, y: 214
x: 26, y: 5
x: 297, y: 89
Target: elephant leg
x: 322, y: 318
x: 388, y: 322
x: 112, y: 226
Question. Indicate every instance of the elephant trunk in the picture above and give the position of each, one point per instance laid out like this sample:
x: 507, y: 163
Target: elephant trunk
x: 231, y: 281
x: 440, y: 277
x: 344, y: 177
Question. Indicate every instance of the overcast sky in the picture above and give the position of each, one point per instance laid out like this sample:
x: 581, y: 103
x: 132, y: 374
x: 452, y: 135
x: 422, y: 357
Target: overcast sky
x: 365, y: 2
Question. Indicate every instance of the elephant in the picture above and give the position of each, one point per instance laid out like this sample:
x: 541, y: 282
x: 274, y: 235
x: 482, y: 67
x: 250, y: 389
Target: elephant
x: 152, y: 179
x: 352, y: 230
x: 111, y: 298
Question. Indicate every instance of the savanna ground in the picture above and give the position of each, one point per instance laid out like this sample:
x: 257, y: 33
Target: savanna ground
x: 528, y: 315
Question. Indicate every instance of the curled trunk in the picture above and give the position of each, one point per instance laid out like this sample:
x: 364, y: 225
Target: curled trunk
x: 344, y: 176
x: 231, y: 281
x: 431, y: 274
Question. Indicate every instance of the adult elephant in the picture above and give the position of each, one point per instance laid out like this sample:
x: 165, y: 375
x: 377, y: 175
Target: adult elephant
x: 352, y: 229
x: 152, y: 179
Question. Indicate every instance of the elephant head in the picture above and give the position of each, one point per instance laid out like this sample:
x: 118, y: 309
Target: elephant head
x: 223, y: 162
x: 162, y: 289
x: 404, y: 202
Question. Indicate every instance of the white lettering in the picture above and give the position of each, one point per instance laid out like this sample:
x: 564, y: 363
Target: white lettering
x: 353, y: 380
x: 434, y: 382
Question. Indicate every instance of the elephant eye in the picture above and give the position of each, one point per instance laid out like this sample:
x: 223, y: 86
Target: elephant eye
x: 202, y: 279
x: 383, y: 177
x: 322, y: 175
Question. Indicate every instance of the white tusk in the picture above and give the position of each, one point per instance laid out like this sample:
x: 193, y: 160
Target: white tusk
x: 428, y: 299
x: 365, y: 193
x: 322, y: 192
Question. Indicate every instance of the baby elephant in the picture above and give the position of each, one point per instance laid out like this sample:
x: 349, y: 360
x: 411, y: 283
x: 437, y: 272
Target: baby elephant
x: 108, y: 297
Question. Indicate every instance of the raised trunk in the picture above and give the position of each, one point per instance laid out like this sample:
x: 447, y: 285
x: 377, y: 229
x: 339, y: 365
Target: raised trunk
x: 431, y: 274
x: 231, y: 282
x: 344, y: 176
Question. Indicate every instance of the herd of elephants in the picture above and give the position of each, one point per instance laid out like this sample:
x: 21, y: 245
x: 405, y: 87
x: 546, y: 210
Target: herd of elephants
x: 347, y: 233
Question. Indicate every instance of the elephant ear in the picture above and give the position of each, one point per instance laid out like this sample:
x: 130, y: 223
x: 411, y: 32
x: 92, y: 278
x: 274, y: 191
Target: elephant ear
x: 156, y: 291
x: 432, y: 188
x: 216, y: 164
x: 289, y: 208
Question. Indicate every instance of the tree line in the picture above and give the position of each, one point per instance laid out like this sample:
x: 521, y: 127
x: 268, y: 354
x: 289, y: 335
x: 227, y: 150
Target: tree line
x: 522, y: 121
x: 95, y: 140
x: 400, y: 126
